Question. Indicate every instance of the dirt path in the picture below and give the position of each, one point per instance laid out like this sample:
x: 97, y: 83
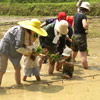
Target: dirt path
x: 5, y: 20
x: 14, y: 19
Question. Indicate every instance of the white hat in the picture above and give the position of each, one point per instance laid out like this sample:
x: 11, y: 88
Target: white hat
x: 85, y: 5
x: 67, y: 52
x: 62, y: 27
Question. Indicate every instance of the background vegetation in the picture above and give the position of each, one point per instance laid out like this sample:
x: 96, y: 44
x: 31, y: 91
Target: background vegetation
x: 36, y: 8
x: 44, y: 9
x: 44, y: 1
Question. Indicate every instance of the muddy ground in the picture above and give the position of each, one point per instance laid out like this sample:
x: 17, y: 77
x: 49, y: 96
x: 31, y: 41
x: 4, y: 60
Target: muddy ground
x: 85, y: 84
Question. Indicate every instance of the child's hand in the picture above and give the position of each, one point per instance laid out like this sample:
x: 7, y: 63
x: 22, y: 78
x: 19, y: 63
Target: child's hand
x: 68, y: 63
x: 86, y: 31
x: 42, y: 55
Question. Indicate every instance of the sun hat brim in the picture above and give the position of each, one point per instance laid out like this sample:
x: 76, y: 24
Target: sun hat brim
x: 61, y: 28
x: 65, y: 54
x: 85, y: 5
x: 27, y: 24
x: 86, y: 8
x: 62, y: 31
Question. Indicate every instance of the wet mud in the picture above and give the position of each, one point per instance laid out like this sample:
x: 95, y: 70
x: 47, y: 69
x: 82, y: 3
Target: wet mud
x: 85, y: 84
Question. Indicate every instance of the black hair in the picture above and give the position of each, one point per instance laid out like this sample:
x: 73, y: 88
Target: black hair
x: 35, y: 35
x: 29, y: 31
x: 32, y: 57
x: 84, y: 9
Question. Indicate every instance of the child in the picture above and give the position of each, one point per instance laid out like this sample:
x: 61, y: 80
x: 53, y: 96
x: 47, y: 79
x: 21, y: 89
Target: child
x: 68, y: 66
x: 31, y: 63
x: 31, y: 67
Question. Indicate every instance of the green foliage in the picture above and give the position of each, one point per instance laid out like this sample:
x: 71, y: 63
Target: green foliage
x: 35, y: 35
x: 44, y: 9
x: 54, y: 57
x: 45, y: 1
x: 35, y: 9
x: 4, y: 0
x: 39, y: 50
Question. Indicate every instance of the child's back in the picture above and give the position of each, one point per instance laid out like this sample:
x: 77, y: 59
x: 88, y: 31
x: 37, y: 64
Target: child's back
x: 31, y: 67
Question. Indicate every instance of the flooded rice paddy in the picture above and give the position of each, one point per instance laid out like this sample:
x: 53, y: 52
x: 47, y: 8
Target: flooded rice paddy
x: 85, y: 84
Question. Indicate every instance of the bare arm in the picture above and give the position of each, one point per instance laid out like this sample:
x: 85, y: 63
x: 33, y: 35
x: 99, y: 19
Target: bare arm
x: 68, y: 63
x: 85, y: 24
x: 43, y: 24
x: 67, y: 38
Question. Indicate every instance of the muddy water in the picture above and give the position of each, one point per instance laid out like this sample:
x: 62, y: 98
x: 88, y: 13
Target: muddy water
x: 85, y: 84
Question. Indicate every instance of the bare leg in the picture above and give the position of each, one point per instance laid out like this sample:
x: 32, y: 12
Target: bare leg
x: 74, y: 54
x: 51, y: 67
x: 18, y: 76
x: 3, y: 66
x: 38, y: 78
x: 40, y: 63
x: 58, y: 66
x: 1, y: 76
x: 24, y: 78
x: 84, y: 59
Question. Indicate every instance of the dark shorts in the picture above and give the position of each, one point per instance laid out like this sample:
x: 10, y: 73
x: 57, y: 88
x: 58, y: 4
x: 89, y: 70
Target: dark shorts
x: 79, y: 43
x: 68, y: 70
x: 52, y: 49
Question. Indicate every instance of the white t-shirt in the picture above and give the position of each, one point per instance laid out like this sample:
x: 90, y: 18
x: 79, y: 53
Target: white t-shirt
x: 29, y: 63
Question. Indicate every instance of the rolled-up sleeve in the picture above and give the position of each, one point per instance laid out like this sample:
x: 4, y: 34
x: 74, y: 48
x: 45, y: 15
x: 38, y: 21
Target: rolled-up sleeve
x: 19, y: 38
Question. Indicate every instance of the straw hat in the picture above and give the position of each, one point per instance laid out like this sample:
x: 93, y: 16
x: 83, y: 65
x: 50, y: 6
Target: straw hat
x: 85, y: 5
x: 33, y: 25
x: 62, y: 27
x: 67, y: 52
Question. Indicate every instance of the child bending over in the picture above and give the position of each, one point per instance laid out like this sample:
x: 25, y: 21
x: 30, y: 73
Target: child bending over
x: 68, y: 65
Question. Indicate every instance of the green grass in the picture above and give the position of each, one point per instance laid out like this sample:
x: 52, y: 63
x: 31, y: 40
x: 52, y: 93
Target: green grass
x: 44, y: 9
x: 6, y: 1
x: 94, y: 1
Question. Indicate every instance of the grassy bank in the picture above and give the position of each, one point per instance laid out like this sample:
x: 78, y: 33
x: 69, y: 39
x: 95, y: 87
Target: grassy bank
x: 44, y: 9
x: 44, y: 1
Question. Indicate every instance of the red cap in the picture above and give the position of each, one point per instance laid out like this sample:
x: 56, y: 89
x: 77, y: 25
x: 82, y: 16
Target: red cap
x: 62, y: 16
